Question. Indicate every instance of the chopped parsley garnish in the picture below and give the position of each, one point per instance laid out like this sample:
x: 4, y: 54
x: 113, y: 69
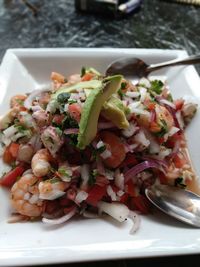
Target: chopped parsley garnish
x: 179, y: 182
x: 63, y: 97
x: 164, y: 129
x: 170, y: 98
x: 64, y: 172
x: 92, y: 177
x: 101, y: 149
x: 73, y: 139
x: 69, y: 122
x: 54, y: 180
x: 120, y: 91
x: 71, y: 101
x: 20, y: 102
x: 156, y: 87
x: 20, y: 128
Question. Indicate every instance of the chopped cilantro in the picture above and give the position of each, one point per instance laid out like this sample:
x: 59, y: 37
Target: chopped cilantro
x: 72, y: 101
x: 64, y: 172
x: 156, y: 87
x: 20, y: 102
x: 69, y: 122
x: 20, y: 128
x: 58, y: 131
x: 170, y: 98
x: 54, y: 180
x: 120, y: 91
x: 164, y: 129
x: 63, y: 97
x: 73, y: 139
x: 92, y: 177
x: 179, y: 182
x: 83, y: 71
x: 101, y: 149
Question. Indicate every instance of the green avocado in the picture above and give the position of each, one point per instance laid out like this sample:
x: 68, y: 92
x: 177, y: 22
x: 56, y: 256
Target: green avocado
x: 72, y: 88
x: 115, y: 111
x: 92, y: 108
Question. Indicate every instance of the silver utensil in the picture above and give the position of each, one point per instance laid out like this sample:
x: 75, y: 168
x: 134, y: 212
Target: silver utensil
x: 136, y: 68
x: 176, y: 202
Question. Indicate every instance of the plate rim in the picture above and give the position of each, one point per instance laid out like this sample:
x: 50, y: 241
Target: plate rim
x: 87, y: 256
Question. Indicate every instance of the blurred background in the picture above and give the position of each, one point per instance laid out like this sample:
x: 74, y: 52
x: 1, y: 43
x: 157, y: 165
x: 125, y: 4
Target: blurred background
x: 57, y: 23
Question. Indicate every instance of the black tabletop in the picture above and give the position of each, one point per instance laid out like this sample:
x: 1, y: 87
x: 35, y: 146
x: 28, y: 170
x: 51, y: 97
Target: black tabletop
x: 158, y: 24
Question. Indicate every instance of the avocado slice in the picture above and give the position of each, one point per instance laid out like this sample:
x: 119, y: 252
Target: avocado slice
x: 92, y: 108
x: 72, y: 88
x: 115, y: 111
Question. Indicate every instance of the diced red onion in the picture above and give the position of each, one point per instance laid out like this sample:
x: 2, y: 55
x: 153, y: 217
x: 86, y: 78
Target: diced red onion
x: 153, y: 116
x: 105, y: 125
x: 141, y: 167
x: 136, y: 221
x: 60, y: 220
x: 168, y: 103
x: 71, y: 131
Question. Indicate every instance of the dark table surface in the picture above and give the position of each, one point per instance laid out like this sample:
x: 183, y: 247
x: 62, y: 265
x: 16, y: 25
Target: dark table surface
x: 158, y: 24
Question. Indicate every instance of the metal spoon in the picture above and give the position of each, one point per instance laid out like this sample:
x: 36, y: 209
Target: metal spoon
x: 176, y: 202
x: 137, y: 68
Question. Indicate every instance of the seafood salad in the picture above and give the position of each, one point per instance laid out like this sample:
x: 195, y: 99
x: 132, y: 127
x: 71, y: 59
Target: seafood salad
x: 90, y: 145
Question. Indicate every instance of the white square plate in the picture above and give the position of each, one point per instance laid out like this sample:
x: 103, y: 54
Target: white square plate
x: 22, y: 70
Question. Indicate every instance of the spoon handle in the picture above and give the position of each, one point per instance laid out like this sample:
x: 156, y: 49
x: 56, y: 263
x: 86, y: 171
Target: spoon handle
x: 186, y: 61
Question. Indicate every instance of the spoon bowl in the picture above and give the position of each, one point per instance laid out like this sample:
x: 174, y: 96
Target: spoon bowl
x: 134, y: 68
x: 176, y: 202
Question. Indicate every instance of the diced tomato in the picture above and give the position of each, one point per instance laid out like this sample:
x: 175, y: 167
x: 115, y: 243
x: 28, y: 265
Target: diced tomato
x: 10, y: 178
x: 140, y: 203
x: 163, y: 179
x: 58, y: 119
x: 87, y: 77
x: 51, y: 206
x: 130, y: 189
x: 160, y: 140
x: 10, y: 153
x: 95, y: 194
x: 124, y: 198
x: 178, y: 161
x: 65, y: 202
x: 14, y: 147
x: 75, y: 111
x: 116, y: 147
x: 101, y: 180
x: 7, y: 156
x: 129, y: 161
x: 179, y: 103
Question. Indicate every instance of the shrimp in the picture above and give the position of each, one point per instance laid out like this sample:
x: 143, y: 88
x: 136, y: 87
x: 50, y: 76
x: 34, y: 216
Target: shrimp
x: 162, y: 115
x: 40, y: 162
x: 25, y: 196
x: 115, y: 146
x: 17, y: 101
x: 52, y: 188
x: 52, y: 139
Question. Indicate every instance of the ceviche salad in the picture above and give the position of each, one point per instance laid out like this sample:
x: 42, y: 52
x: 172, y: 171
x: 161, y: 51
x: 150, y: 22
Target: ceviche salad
x: 91, y: 144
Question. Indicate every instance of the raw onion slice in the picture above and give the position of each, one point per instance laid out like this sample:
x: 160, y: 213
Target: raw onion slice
x: 60, y: 220
x: 136, y: 221
x: 141, y: 167
x: 71, y: 131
